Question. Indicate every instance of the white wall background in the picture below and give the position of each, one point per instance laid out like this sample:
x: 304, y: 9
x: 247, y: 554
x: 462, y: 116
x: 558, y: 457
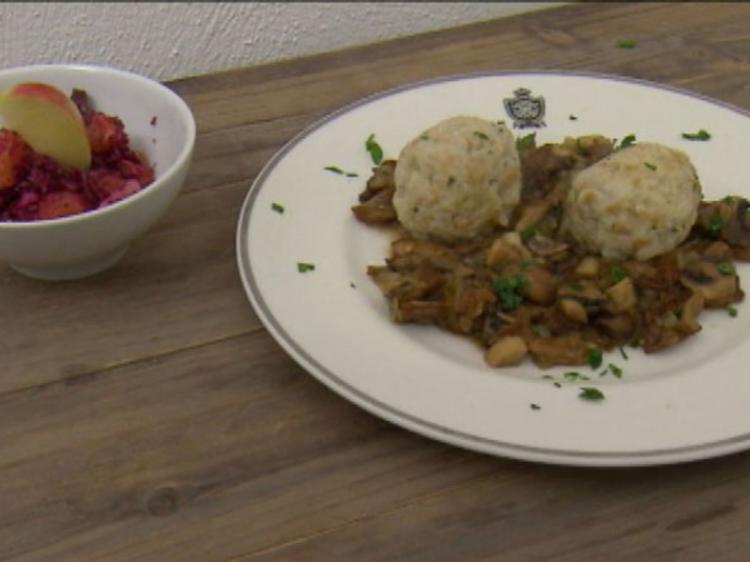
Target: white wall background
x: 171, y: 40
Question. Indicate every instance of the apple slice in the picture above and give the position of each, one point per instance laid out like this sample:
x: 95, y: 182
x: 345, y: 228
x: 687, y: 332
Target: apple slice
x: 48, y: 121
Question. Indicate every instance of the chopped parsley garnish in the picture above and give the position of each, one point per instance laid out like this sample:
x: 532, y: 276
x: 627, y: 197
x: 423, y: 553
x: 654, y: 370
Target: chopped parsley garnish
x: 528, y: 232
x: 536, y: 329
x: 725, y: 267
x: 590, y: 393
x: 594, y: 357
x: 617, y: 273
x: 627, y: 43
x: 548, y: 377
x: 557, y: 384
x: 624, y: 355
x: 524, y: 264
x: 352, y: 285
x: 604, y: 372
x: 424, y: 137
x: 339, y: 171
x: 732, y: 311
x: 304, y: 267
x: 376, y: 153
x: 572, y: 375
x: 481, y: 135
x: 535, y: 406
x: 572, y: 117
x: 500, y: 123
x: 649, y: 165
x: 278, y: 208
x: 616, y: 371
x: 528, y: 141
x: 716, y: 223
x: 508, y: 289
x: 701, y: 135
x: 627, y: 141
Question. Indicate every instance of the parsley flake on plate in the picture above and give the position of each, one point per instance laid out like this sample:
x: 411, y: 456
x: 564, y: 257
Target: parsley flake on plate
x: 627, y: 43
x: 591, y: 394
x: 339, y: 171
x: 304, y: 267
x: 376, y: 153
x: 594, y: 357
x: 278, y: 208
x: 701, y: 135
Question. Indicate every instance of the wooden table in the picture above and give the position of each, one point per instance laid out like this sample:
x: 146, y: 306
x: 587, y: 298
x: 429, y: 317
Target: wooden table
x: 145, y: 414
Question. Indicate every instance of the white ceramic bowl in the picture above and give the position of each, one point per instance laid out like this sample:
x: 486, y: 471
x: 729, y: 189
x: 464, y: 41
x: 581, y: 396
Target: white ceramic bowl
x: 80, y: 245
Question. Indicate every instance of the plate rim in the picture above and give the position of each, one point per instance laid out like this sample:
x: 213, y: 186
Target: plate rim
x: 428, y: 428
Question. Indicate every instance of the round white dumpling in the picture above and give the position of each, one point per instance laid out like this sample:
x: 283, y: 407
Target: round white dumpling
x: 457, y: 180
x: 639, y: 202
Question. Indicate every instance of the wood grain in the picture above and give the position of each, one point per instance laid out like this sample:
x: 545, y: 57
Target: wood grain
x: 145, y: 414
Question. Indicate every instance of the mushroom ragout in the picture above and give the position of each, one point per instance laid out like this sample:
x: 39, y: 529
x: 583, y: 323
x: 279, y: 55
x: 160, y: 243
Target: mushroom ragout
x: 530, y: 290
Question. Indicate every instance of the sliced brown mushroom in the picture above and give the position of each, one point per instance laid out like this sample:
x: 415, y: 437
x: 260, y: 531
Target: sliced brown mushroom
x: 404, y: 285
x: 736, y: 229
x: 588, y: 267
x: 717, y: 251
x: 716, y: 288
x: 506, y: 351
x: 585, y: 292
x: 558, y: 350
x: 657, y: 339
x: 378, y: 209
x: 690, y: 311
x: 539, y: 168
x: 507, y: 248
x: 383, y: 177
x: 622, y: 296
x: 620, y: 327
x: 574, y: 310
x: 545, y: 247
x: 532, y: 213
x: 409, y: 253
x: 540, y: 286
x: 419, y: 312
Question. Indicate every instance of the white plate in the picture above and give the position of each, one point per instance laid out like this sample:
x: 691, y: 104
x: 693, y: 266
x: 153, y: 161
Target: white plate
x: 688, y: 403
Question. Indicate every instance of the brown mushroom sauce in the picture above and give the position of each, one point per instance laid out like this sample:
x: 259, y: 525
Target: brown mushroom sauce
x: 530, y: 291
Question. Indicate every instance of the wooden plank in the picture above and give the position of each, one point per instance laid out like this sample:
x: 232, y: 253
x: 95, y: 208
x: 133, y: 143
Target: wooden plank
x: 229, y: 451
x: 145, y: 415
x: 177, y: 287
x: 704, y: 39
x: 221, y: 449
